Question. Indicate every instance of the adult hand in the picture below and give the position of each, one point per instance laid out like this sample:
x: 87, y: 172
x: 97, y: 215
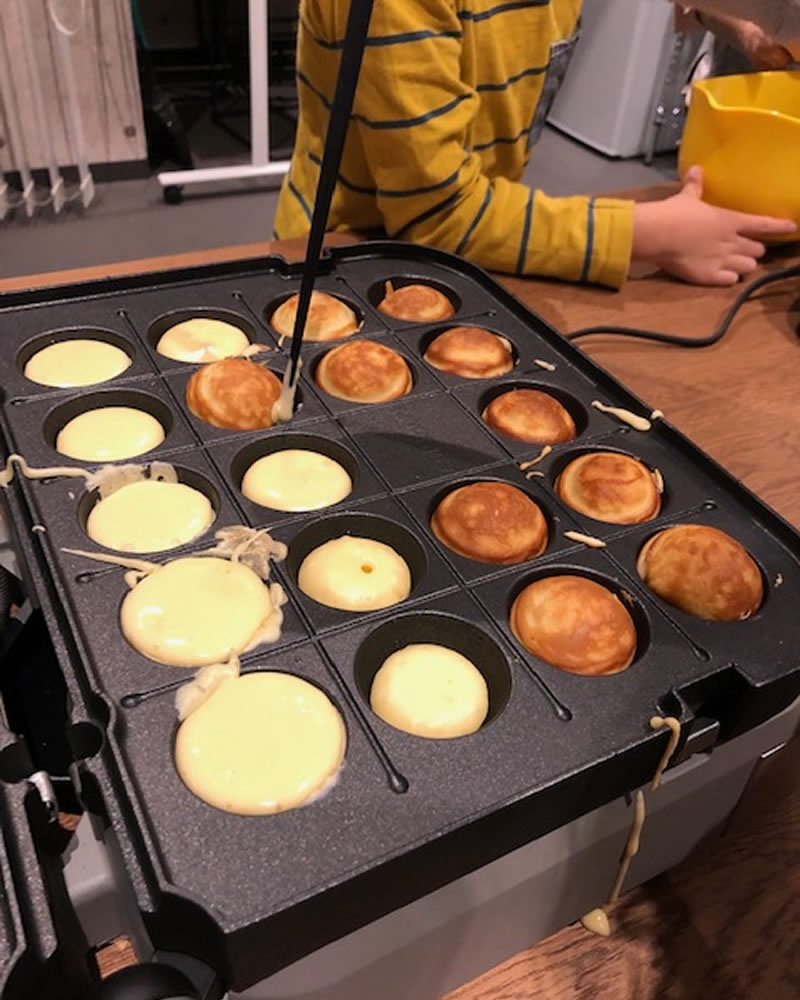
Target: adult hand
x: 760, y: 49
x: 701, y: 243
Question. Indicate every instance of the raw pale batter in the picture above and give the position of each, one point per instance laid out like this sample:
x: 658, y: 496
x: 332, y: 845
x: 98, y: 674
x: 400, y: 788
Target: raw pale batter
x: 109, y: 434
x: 430, y: 691
x: 355, y: 574
x: 196, y: 611
x: 149, y: 516
x: 70, y: 363
x: 261, y: 743
x: 200, y: 340
x: 296, y: 479
x: 283, y: 407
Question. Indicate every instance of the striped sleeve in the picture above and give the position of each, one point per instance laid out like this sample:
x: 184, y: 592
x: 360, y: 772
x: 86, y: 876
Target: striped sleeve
x: 413, y: 117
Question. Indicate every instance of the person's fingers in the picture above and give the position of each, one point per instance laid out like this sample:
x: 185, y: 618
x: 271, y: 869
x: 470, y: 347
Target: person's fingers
x: 750, y: 248
x: 693, y: 182
x: 740, y: 264
x: 763, y: 225
x: 772, y: 57
x: 708, y: 274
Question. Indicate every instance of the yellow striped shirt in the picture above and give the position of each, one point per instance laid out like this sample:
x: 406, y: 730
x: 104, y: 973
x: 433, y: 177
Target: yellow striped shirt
x: 451, y: 95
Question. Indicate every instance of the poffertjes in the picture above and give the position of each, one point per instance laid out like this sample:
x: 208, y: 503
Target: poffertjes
x: 364, y: 371
x: 492, y: 522
x: 610, y: 487
x: 471, y: 352
x: 530, y: 415
x: 415, y: 303
x: 702, y: 571
x: 328, y: 318
x: 574, y: 624
x: 234, y: 393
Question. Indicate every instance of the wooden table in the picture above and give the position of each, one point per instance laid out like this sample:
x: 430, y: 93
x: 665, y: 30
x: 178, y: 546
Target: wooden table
x: 725, y: 924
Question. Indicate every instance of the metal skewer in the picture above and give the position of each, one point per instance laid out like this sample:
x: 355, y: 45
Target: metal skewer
x: 349, y: 68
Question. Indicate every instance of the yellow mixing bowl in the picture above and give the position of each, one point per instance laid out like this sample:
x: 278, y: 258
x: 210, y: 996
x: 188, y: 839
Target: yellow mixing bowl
x: 744, y: 131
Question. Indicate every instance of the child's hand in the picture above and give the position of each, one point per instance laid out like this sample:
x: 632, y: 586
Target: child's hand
x: 701, y: 243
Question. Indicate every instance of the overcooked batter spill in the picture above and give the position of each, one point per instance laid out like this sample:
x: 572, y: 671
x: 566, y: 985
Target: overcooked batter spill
x: 632, y: 419
x: 590, y: 540
x: 533, y: 461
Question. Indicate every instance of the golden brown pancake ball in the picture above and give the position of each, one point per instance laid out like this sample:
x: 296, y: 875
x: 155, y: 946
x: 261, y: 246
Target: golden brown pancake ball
x: 328, y: 318
x: 234, y: 393
x: 416, y: 303
x: 530, y: 415
x: 610, y: 487
x: 364, y: 372
x: 702, y: 571
x: 491, y: 522
x: 575, y: 624
x: 471, y: 352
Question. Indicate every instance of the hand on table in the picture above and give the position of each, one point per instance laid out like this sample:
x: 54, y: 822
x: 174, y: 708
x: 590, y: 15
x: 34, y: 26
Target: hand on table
x: 701, y: 243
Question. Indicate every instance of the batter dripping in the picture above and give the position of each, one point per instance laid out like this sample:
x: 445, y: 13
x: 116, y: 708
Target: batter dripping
x: 596, y: 920
x: 590, y: 540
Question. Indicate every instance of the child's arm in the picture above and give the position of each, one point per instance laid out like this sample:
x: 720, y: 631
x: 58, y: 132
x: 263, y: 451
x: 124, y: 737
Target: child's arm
x: 413, y: 117
x: 698, y: 242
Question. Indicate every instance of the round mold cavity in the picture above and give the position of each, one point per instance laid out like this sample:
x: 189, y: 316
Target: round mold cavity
x: 42, y: 340
x: 278, y: 301
x: 563, y: 460
x: 766, y: 582
x: 632, y: 605
x: 573, y: 406
x: 377, y: 292
x: 441, y: 630
x: 61, y: 415
x: 166, y: 321
x: 431, y: 335
x: 190, y: 477
x: 315, y: 362
x: 437, y: 498
x: 283, y: 442
x: 374, y: 526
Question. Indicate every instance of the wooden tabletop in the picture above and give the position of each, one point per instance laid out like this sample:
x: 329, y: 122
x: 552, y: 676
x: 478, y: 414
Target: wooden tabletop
x: 722, y: 926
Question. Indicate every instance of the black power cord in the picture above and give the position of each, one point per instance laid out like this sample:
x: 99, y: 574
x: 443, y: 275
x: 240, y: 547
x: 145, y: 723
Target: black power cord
x: 671, y: 338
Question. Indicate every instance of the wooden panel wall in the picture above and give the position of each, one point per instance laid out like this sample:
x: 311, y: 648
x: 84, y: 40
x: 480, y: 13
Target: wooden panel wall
x: 104, y: 59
